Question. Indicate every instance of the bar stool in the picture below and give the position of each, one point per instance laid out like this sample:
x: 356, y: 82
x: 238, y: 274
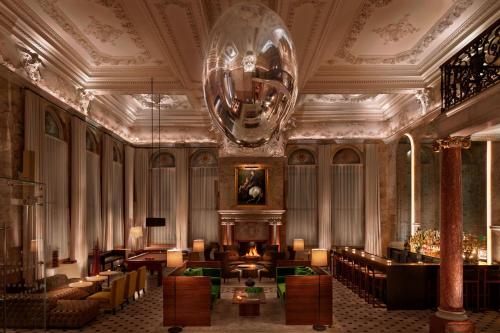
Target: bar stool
x: 377, y: 282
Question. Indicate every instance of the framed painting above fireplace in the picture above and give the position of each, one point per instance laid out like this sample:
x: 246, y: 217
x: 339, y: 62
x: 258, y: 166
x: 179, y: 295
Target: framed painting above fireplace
x: 251, y: 185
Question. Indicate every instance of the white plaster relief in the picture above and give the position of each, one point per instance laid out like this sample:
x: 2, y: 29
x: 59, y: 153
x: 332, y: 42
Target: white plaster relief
x: 105, y: 33
x: 393, y: 32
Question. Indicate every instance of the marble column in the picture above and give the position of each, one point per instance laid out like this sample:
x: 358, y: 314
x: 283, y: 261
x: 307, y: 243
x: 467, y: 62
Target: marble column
x: 227, y: 232
x: 451, y: 316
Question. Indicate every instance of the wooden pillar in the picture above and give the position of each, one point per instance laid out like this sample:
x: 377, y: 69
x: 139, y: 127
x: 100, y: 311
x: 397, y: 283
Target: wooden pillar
x: 451, y: 316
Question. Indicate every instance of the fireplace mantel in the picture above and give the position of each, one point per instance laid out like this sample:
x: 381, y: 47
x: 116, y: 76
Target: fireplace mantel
x: 239, y: 215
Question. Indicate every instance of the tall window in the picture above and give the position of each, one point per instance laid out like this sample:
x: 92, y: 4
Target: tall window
x: 403, y: 182
x: 95, y: 231
x: 56, y: 176
x: 203, y: 196
x: 347, y: 198
x: 302, y: 212
x: 162, y: 198
x: 118, y: 221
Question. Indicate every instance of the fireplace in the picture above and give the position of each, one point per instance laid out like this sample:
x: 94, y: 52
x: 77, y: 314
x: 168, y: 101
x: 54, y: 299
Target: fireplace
x: 244, y: 226
x: 247, y: 245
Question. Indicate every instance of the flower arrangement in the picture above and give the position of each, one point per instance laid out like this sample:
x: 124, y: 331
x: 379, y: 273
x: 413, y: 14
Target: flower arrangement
x: 472, y: 245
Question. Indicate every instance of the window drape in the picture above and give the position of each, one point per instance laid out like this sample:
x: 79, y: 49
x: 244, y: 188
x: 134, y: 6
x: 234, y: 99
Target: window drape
x: 94, y: 227
x: 141, y: 192
x: 372, y: 202
x: 118, y: 231
x: 203, y: 204
x: 56, y: 178
x: 324, y: 197
x: 347, y: 205
x: 79, y: 249
x: 302, y: 216
x: 107, y: 192
x: 164, y: 206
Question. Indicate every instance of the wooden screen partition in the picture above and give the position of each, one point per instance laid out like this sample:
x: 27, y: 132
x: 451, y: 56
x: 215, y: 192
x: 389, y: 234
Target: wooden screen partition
x: 203, y: 264
x: 308, y: 300
x: 293, y: 263
x: 186, y: 301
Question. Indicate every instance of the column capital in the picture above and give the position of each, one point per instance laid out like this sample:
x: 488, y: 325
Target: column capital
x: 451, y: 142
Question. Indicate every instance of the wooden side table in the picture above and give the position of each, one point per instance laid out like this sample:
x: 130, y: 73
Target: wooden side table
x: 249, y: 304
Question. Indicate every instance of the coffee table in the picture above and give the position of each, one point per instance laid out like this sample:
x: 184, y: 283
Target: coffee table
x: 249, y: 303
x: 80, y: 284
x: 109, y: 273
x: 250, y: 272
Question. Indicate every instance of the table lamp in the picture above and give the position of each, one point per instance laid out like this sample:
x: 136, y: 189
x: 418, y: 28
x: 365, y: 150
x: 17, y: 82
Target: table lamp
x: 319, y: 258
x: 134, y: 234
x: 174, y: 260
x: 198, y: 250
x: 298, y: 247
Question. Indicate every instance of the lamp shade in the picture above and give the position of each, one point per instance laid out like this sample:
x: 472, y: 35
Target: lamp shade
x: 174, y: 258
x: 34, y: 245
x: 198, y: 245
x: 136, y: 232
x: 319, y: 257
x: 298, y: 244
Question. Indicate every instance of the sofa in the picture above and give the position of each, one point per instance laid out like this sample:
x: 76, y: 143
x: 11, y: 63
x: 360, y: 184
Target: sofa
x: 65, y: 307
x: 189, y: 294
x: 306, y: 294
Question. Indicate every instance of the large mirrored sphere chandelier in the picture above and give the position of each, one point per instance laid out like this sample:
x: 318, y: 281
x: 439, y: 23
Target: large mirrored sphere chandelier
x: 250, y: 74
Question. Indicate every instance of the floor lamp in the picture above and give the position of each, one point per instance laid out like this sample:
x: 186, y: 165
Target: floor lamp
x: 174, y: 260
x: 319, y: 258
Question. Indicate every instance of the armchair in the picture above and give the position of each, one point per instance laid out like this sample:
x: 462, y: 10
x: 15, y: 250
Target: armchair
x: 111, y: 300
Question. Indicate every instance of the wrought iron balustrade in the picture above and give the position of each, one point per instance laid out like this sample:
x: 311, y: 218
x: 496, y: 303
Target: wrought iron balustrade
x: 475, y: 68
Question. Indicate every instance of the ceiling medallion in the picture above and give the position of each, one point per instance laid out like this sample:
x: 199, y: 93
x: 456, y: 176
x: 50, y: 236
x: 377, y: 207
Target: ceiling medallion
x: 250, y: 75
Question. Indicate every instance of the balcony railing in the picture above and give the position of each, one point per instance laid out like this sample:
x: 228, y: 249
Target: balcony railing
x: 475, y: 68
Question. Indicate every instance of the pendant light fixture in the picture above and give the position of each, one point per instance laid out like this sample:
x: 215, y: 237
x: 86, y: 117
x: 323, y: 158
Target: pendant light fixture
x: 155, y: 221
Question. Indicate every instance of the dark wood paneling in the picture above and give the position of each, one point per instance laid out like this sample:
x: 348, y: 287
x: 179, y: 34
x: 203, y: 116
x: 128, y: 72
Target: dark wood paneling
x: 186, y: 301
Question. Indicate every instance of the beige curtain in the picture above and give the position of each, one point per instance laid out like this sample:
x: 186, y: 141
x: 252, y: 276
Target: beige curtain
x: 107, y: 192
x: 164, y: 205
x: 118, y: 225
x: 128, y: 209
x: 56, y: 178
x: 324, y: 197
x: 203, y: 204
x: 182, y: 204
x: 94, y: 226
x: 79, y: 219
x: 372, y: 201
x: 302, y: 205
x: 141, y: 189
x: 34, y: 141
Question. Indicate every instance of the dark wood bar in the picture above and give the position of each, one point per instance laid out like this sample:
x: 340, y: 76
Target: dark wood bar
x: 410, y: 285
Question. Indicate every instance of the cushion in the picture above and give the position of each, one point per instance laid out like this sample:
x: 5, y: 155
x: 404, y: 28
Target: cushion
x: 214, y: 272
x: 102, y: 296
x: 281, y: 289
x: 56, y: 281
x: 215, y: 281
x: 67, y: 293
x: 304, y: 271
x: 232, y: 255
x: 193, y: 272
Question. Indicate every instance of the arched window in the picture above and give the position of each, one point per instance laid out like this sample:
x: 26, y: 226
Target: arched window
x: 91, y: 141
x: 53, y: 126
x: 404, y: 183
x: 162, y: 159
x: 203, y: 158
x: 301, y: 157
x: 117, y: 154
x: 346, y: 156
x: 302, y: 211
x: 348, y: 223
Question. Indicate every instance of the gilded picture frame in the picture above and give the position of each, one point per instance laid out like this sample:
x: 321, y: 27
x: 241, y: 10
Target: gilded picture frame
x: 250, y: 185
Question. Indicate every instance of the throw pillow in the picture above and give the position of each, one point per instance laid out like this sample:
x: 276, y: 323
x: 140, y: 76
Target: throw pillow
x: 193, y: 272
x: 303, y: 271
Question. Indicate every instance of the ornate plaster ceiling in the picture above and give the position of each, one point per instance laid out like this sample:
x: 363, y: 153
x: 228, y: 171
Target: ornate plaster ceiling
x: 361, y: 62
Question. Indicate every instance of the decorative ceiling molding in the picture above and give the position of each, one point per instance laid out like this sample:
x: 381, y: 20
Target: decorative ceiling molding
x: 409, y: 56
x: 53, y: 11
x: 393, y: 32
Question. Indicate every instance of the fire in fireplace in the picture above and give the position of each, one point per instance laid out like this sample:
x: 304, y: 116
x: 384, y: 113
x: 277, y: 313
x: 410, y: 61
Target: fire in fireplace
x: 252, y: 252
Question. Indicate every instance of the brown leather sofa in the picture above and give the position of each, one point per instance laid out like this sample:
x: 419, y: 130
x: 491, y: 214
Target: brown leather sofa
x: 65, y: 307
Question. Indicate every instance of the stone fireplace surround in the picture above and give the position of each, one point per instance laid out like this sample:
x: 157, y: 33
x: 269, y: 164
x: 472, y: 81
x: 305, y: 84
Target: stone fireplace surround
x: 249, y: 225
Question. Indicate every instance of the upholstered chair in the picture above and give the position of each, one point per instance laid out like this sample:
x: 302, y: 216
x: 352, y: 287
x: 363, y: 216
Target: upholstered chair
x: 130, y: 286
x: 111, y: 300
x: 141, y: 280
